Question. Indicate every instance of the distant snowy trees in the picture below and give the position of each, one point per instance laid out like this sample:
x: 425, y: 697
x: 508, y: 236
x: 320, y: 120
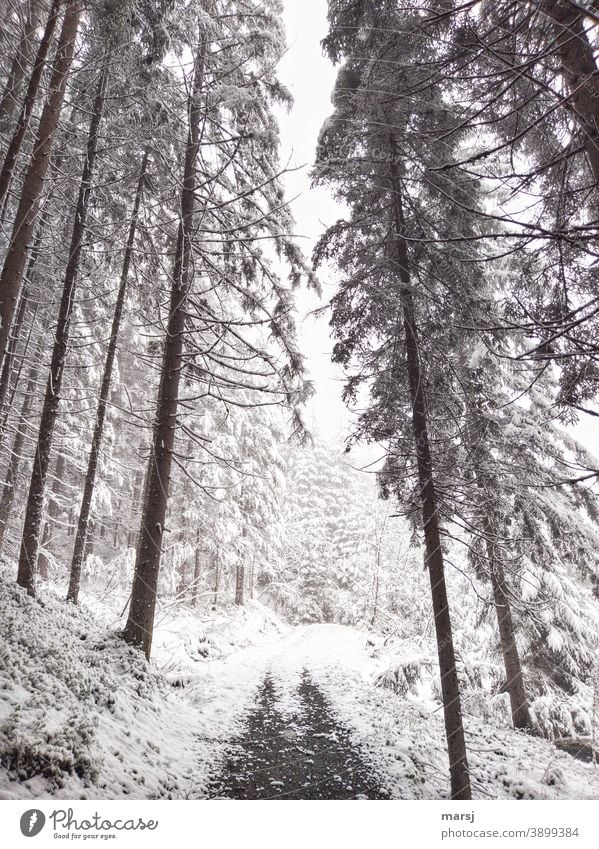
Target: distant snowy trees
x: 339, y: 554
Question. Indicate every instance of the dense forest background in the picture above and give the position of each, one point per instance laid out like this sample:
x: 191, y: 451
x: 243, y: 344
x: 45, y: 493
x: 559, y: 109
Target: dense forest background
x: 159, y: 448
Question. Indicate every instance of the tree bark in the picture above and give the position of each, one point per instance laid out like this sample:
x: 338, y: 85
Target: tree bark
x: 10, y: 160
x: 454, y: 730
x: 35, y: 501
x: 140, y: 623
x: 8, y: 374
x: 196, y: 570
x: 137, y: 486
x: 8, y: 491
x: 375, y: 601
x: 10, y: 96
x: 511, y: 658
x: 92, y: 465
x: 580, y: 72
x: 486, y: 485
x: 216, y: 579
x: 53, y: 514
x: 240, y: 585
x: 16, y: 257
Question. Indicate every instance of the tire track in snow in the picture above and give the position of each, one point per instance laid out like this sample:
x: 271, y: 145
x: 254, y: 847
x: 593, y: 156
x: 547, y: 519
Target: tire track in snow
x: 305, y: 754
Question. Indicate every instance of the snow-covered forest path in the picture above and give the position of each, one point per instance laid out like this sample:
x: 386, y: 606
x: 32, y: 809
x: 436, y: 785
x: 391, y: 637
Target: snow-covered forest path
x: 303, y: 755
x: 299, y: 712
x: 238, y: 703
x: 284, y: 715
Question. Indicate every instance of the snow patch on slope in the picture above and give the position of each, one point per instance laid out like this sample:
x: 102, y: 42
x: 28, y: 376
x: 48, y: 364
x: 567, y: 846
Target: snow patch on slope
x: 82, y: 715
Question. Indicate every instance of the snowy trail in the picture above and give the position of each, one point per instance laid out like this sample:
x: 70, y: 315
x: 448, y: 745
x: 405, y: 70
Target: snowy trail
x: 267, y: 725
x: 304, y: 754
x: 296, y: 715
x: 240, y: 704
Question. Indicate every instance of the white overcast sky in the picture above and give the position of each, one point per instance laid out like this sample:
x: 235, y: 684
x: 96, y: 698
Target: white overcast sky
x: 310, y: 78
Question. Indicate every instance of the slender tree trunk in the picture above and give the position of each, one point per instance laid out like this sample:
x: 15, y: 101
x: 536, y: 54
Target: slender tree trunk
x: 456, y: 745
x: 10, y: 160
x: 509, y: 649
x: 35, y: 501
x: 11, y: 278
x: 580, y: 72
x: 117, y: 525
x: 240, y: 585
x: 485, y: 484
x: 216, y: 578
x: 92, y: 531
x: 8, y: 491
x: 92, y: 465
x: 10, y: 96
x: 53, y: 514
x: 375, y: 601
x: 137, y: 485
x: 196, y: 570
x: 140, y: 623
x: 240, y: 575
x: 8, y: 374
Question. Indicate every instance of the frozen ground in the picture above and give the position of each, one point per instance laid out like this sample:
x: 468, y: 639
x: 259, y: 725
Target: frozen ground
x: 83, y: 716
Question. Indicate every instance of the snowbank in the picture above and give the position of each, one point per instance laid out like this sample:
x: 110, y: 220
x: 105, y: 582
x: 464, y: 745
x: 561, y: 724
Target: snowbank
x: 82, y: 715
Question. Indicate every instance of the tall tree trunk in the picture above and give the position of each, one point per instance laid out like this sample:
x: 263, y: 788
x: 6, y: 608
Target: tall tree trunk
x: 580, y: 72
x: 8, y: 374
x: 452, y: 709
x: 11, y: 278
x: 117, y: 524
x: 10, y: 95
x: 375, y: 601
x: 53, y: 514
x: 8, y: 491
x: 240, y: 584
x: 10, y: 160
x: 137, y: 487
x: 196, y: 570
x: 140, y: 623
x: 92, y: 465
x: 216, y: 579
x: 509, y: 649
x: 477, y: 435
x: 35, y: 501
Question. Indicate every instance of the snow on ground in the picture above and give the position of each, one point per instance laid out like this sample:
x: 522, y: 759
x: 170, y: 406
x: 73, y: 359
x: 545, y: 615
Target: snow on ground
x: 403, y: 738
x: 83, y: 716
